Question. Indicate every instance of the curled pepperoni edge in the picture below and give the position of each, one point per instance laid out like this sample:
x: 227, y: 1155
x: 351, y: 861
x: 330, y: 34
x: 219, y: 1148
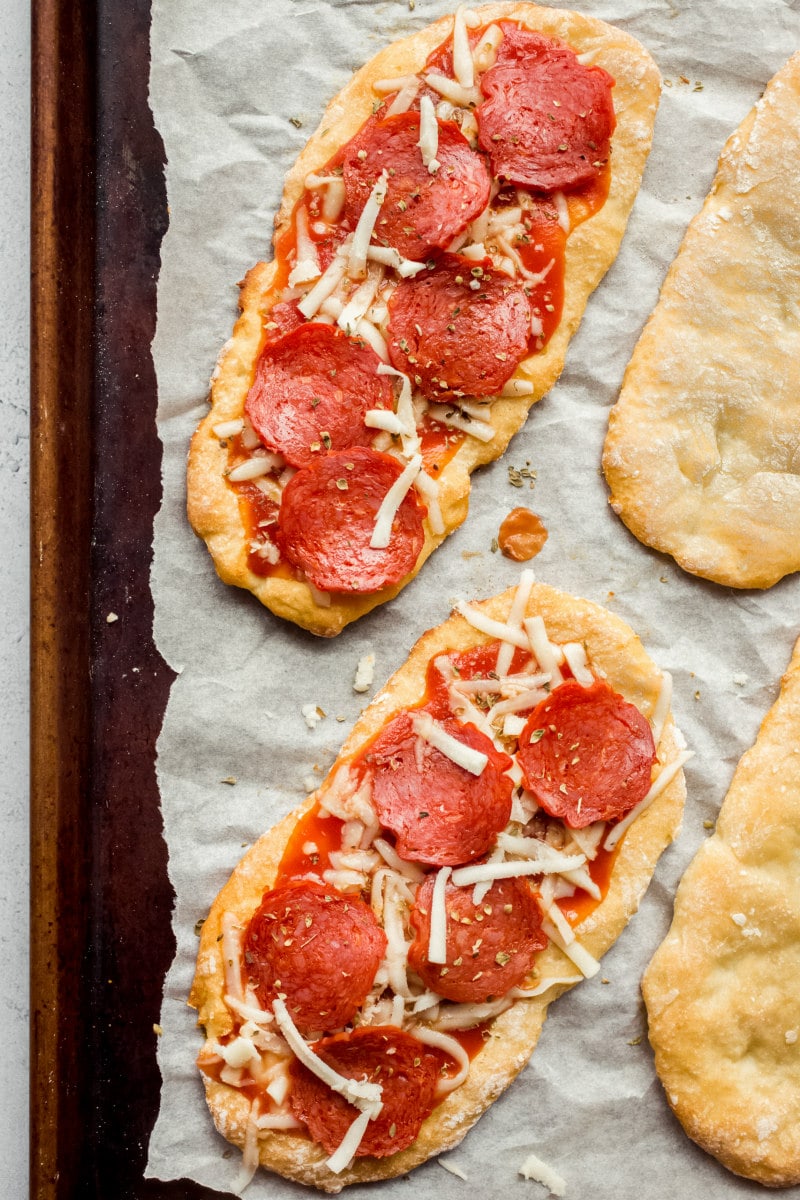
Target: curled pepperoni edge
x: 576, y: 798
x: 318, y: 978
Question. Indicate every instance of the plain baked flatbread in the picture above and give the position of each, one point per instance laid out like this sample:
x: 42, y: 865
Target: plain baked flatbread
x: 703, y: 450
x: 613, y: 650
x: 213, y: 506
x: 723, y: 990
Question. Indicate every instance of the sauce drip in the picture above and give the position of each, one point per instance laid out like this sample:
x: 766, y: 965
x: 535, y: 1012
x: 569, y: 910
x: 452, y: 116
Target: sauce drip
x: 522, y: 535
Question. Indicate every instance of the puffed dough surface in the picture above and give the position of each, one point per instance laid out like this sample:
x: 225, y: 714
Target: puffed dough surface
x: 592, y: 247
x: 703, y: 449
x: 613, y: 649
x: 723, y: 990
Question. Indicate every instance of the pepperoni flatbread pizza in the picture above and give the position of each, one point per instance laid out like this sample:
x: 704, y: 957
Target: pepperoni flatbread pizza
x: 436, y: 244
x: 378, y: 968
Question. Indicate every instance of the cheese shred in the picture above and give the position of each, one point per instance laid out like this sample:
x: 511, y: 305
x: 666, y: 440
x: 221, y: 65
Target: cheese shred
x: 382, y: 532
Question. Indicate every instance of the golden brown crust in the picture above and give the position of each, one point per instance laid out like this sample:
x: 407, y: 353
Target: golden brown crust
x: 591, y: 248
x: 703, y: 455
x: 612, y: 649
x: 722, y: 989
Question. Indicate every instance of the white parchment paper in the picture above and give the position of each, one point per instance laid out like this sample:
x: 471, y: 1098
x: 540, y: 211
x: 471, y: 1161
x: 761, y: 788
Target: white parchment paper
x: 231, y: 82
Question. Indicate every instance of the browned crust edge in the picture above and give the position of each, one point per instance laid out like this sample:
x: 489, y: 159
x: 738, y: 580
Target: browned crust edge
x: 735, y: 545
x: 705, y: 1022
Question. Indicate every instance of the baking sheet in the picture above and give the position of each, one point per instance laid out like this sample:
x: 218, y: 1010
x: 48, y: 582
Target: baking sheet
x: 236, y: 89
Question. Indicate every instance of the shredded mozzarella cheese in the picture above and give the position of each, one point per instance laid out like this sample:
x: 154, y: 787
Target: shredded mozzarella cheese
x: 369, y: 333
x: 306, y: 265
x: 517, y: 703
x: 428, y: 134
x: 575, y: 655
x: 534, y: 1168
x: 548, y: 656
x: 522, y: 993
x: 249, y: 1152
x: 228, y: 429
x: 388, y: 853
x: 321, y: 599
x: 238, y: 1052
x: 494, y: 629
x: 581, y: 878
x: 453, y: 1169
x: 455, y: 418
x: 662, y: 705
x: 344, y: 1154
x: 357, y: 261
x: 405, y: 410
x: 452, y: 90
x: 356, y: 307
x: 464, y: 756
x: 365, y: 1096
x: 515, y: 617
x: 467, y: 1016
x: 278, y: 1121
x: 381, y: 418
x: 442, y: 1041
x: 562, y: 208
x: 665, y: 777
x: 589, y: 838
x: 232, y: 955
x: 382, y: 531
x: 579, y: 955
x: 484, y: 885
x: 547, y: 864
x: 437, y: 941
x: 429, y: 490
x: 463, y: 66
x: 251, y: 468
x: 517, y: 387
x: 248, y: 1012
x: 385, y: 87
x: 397, y: 949
x: 485, y: 52
x: 327, y: 283
x: 389, y: 257
x: 405, y: 97
x: 365, y: 673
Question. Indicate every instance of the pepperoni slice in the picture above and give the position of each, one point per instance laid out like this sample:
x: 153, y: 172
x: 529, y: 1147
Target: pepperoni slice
x: 439, y: 812
x: 317, y: 947
x: 546, y: 120
x: 421, y: 212
x: 282, y: 318
x: 312, y: 389
x: 586, y: 754
x: 406, y: 1069
x: 456, y: 340
x: 327, y: 518
x: 490, y: 947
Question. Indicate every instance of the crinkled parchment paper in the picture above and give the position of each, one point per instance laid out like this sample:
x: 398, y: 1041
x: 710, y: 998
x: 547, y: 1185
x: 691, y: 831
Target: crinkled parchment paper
x: 236, y: 89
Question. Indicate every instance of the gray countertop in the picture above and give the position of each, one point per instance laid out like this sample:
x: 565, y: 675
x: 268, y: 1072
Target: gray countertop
x: 14, y: 260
